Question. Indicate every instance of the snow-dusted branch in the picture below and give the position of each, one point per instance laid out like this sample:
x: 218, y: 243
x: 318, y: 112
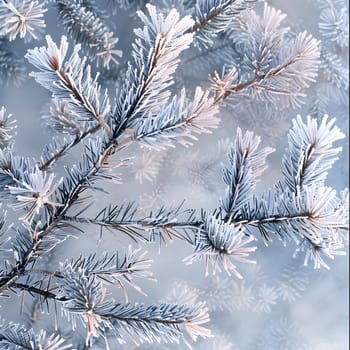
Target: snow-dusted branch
x: 215, y: 16
x: 310, y: 153
x: 262, y: 59
x: 16, y: 336
x: 302, y: 210
x: 21, y: 17
x: 161, y: 225
x: 111, y: 269
x: 12, y: 68
x: 179, y: 121
x: 85, y: 298
x: 7, y: 129
x: 70, y: 80
x: 247, y: 163
x: 313, y: 219
x: 169, y: 41
x: 89, y: 30
x: 273, y: 67
x: 156, y: 56
x: 220, y: 243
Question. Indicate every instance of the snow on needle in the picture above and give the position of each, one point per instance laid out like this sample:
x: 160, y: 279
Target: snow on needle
x: 34, y: 192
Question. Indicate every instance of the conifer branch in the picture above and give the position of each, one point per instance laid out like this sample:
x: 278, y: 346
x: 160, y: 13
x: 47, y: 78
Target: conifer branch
x: 247, y: 164
x: 310, y: 153
x: 274, y: 69
x: 86, y: 300
x: 265, y: 62
x: 16, y: 336
x: 21, y: 17
x: 7, y: 129
x: 70, y: 81
x: 99, y: 150
x: 215, y: 16
x: 56, y: 150
x: 161, y: 225
x: 150, y: 75
x: 149, y: 92
x: 89, y: 30
x: 12, y: 70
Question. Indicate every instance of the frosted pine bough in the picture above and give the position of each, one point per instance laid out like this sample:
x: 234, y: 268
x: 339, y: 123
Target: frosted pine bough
x: 21, y: 18
x: 300, y: 209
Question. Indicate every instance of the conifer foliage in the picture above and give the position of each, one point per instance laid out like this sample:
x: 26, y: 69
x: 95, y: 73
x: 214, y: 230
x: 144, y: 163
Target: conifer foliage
x: 46, y: 201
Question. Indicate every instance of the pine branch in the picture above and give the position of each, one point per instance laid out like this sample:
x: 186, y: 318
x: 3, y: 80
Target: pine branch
x: 334, y: 25
x: 7, y: 127
x: 21, y: 17
x: 219, y: 243
x: 89, y: 30
x: 161, y: 225
x: 247, y: 164
x: 111, y: 269
x: 272, y: 67
x: 310, y: 153
x: 149, y: 91
x: 98, y: 151
x: 15, y: 336
x: 117, y: 269
x: 212, y: 239
x: 174, y: 123
x: 85, y: 298
x: 313, y: 219
x: 302, y: 210
x: 71, y: 81
x: 59, y: 147
x: 156, y: 56
x: 12, y: 168
x: 215, y: 16
x: 12, y: 69
x: 178, y: 120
